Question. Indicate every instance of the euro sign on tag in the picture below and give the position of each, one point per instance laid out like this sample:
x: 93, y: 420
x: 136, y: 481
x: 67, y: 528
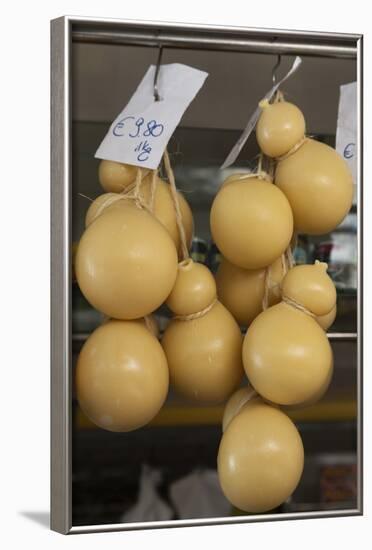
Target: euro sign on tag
x: 140, y: 133
x: 347, y: 130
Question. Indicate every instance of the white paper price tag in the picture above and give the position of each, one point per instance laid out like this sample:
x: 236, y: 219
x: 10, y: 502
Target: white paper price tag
x: 346, y: 135
x: 140, y: 133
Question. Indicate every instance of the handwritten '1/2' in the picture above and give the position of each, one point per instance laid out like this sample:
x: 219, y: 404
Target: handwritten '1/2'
x: 138, y: 127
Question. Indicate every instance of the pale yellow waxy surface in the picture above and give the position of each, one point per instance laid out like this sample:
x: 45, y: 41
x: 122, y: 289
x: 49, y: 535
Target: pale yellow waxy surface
x: 121, y: 376
x: 236, y: 402
x: 194, y: 289
x: 315, y: 398
x: 114, y: 177
x: 163, y: 209
x: 100, y: 204
x: 327, y: 320
x: 233, y: 177
x: 260, y: 458
x: 251, y: 222
x: 312, y: 287
x: 204, y: 355
x: 241, y: 290
x: 279, y: 128
x: 126, y: 262
x: 318, y: 184
x: 286, y: 355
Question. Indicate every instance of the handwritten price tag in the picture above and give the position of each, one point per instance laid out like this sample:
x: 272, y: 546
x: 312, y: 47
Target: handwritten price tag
x: 346, y: 135
x: 140, y: 133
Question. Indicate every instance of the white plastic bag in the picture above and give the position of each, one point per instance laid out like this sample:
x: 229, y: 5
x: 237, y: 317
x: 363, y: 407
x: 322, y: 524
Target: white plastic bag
x: 198, y: 495
x: 149, y: 505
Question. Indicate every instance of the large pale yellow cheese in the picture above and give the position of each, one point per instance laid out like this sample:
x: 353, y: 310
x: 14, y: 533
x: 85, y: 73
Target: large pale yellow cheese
x: 251, y: 222
x: 318, y: 185
x: 126, y: 262
x: 260, y: 458
x: 286, y: 355
x: 121, y: 376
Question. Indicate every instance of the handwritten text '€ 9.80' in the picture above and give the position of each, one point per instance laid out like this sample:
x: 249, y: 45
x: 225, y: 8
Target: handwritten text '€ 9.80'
x: 136, y: 128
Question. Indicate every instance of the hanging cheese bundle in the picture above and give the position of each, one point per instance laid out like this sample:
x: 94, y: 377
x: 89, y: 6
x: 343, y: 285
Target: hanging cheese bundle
x: 251, y: 221
x: 241, y: 291
x: 260, y: 458
x: 126, y: 263
x: 203, y: 342
x: 286, y: 354
x: 119, y: 178
x: 121, y: 376
x: 314, y: 177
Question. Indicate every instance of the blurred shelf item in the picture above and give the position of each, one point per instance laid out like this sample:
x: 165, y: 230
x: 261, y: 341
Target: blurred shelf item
x: 173, y: 415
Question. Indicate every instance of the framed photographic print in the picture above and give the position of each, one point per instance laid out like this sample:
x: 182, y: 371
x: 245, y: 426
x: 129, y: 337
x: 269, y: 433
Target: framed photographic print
x: 206, y: 274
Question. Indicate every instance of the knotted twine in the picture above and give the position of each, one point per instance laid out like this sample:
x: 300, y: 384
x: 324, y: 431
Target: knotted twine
x: 131, y: 192
x: 293, y: 303
x: 287, y: 258
x: 182, y: 234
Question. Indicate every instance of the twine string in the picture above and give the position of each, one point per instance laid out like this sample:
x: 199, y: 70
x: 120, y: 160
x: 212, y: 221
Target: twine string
x: 278, y: 97
x: 197, y: 315
x: 265, y: 298
x: 154, y: 179
x: 261, y: 175
x: 293, y: 150
x: 291, y: 302
x: 174, y: 195
x: 132, y: 193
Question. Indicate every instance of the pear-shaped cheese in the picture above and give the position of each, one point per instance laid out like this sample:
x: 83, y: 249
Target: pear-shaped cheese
x: 327, y: 320
x: 115, y: 177
x: 279, y: 128
x: 311, y: 287
x: 318, y: 184
x: 194, y: 289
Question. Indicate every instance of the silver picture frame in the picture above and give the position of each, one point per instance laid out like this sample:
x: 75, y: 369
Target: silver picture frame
x: 64, y: 31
